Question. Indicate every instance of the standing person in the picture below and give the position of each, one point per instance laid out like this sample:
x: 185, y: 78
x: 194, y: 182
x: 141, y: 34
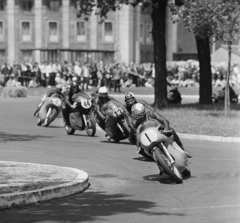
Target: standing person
x: 86, y: 75
x: 99, y: 74
x: 36, y: 73
x: 94, y: 75
x: 108, y: 77
x: 77, y: 70
x: 23, y: 74
x: 6, y: 71
x: 49, y: 74
x: 117, y: 73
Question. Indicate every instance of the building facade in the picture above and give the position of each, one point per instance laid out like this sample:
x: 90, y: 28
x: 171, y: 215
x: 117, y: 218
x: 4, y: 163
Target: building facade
x: 49, y: 31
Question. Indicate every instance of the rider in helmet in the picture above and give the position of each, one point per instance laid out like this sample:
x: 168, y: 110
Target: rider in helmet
x: 130, y: 100
x: 140, y: 114
x: 101, y: 99
x: 57, y: 90
x: 68, y: 104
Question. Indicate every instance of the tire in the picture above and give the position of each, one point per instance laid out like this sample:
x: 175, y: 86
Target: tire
x: 163, y: 161
x: 91, y: 126
x: 70, y: 130
x: 39, y: 122
x: 50, y: 119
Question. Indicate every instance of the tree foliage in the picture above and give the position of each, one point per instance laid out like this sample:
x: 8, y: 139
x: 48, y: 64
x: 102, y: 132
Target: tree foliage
x: 212, y: 18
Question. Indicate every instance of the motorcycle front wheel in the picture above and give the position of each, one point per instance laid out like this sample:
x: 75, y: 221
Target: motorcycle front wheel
x: 48, y: 120
x: 169, y: 169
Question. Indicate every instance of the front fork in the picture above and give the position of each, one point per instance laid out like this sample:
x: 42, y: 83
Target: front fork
x: 165, y: 150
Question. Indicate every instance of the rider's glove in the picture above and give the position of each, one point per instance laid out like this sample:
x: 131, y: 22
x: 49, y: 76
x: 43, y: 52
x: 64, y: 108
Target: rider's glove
x: 74, y: 105
x: 105, y: 119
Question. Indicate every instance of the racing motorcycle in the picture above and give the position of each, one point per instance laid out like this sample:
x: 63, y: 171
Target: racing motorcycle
x: 116, y: 125
x: 82, y: 118
x: 170, y: 158
x: 48, y: 109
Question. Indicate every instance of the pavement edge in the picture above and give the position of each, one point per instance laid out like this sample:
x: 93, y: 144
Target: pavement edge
x: 79, y: 184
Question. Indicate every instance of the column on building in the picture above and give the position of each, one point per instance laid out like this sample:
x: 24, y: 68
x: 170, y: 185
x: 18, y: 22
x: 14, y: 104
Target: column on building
x: 124, y: 33
x: 65, y: 27
x: 171, y: 36
x: 93, y: 23
x: 11, y: 31
x: 137, y: 34
x: 38, y: 29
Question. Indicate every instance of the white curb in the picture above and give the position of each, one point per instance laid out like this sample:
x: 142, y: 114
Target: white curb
x: 79, y: 184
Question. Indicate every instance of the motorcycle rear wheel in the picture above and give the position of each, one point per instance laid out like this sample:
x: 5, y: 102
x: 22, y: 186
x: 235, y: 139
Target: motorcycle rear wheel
x: 91, y: 126
x: 164, y: 162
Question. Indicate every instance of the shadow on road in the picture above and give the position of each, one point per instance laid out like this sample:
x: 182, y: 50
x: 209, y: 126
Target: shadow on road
x: 125, y: 143
x: 9, y: 137
x: 164, y: 179
x: 87, y: 206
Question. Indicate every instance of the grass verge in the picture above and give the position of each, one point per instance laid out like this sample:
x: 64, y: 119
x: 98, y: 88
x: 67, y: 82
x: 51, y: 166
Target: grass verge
x: 204, y: 120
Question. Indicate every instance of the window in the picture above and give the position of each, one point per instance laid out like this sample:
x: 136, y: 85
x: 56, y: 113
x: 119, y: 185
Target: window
x: 108, y: 32
x: 54, y: 5
x: 1, y: 32
x: 27, y: 5
x: 2, y: 5
x: 81, y: 32
x: 149, y: 34
x: 26, y: 32
x: 53, y: 32
x: 142, y: 33
x: 27, y: 55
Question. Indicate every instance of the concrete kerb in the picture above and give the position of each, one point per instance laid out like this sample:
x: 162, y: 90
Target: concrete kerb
x: 79, y: 184
x: 210, y: 138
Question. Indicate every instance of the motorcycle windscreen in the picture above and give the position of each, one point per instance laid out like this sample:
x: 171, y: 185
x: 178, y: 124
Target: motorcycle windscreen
x: 148, y: 124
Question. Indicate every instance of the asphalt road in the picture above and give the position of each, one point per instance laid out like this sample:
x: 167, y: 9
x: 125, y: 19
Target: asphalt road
x: 124, y: 187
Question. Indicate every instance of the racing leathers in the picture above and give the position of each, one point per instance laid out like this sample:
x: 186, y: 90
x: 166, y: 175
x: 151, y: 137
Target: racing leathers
x: 68, y: 104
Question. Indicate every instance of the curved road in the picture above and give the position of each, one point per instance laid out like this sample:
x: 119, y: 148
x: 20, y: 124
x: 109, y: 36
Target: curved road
x: 124, y: 187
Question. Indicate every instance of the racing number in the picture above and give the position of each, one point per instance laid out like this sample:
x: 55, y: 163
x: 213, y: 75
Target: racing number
x: 118, y: 112
x: 86, y: 104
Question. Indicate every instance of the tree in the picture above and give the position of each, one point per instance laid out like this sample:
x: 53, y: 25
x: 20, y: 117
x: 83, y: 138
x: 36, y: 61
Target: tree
x: 206, y: 19
x: 197, y: 18
x: 227, y: 28
x: 102, y: 7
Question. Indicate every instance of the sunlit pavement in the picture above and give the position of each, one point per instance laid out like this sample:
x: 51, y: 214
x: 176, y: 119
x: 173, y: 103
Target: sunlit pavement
x: 124, y: 187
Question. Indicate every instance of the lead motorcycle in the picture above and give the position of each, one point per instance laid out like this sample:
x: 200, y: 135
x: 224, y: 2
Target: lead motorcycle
x: 116, y: 125
x: 82, y: 118
x: 48, y: 109
x: 170, y: 158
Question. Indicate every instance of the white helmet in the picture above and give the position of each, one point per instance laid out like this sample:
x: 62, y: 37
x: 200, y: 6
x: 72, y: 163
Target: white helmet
x: 138, y: 111
x: 103, y: 92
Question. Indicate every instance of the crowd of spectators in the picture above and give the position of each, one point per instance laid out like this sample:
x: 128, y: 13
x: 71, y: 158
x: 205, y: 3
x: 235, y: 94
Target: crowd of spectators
x: 114, y: 75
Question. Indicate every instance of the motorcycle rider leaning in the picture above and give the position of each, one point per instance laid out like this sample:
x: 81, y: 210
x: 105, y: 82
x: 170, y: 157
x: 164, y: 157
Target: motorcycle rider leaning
x: 130, y: 100
x: 68, y: 104
x: 99, y: 101
x: 140, y: 114
x: 57, y: 90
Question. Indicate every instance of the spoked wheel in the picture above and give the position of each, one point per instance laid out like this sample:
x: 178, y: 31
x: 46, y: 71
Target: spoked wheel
x: 91, y: 126
x: 169, y: 169
x: 39, y: 122
x: 69, y: 130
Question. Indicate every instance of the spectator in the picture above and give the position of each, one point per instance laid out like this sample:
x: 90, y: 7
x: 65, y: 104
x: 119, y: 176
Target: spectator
x: 86, y: 75
x: 116, y: 77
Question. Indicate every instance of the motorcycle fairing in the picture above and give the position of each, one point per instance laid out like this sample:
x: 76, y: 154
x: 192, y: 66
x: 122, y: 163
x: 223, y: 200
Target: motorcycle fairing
x: 49, y: 102
x: 76, y: 120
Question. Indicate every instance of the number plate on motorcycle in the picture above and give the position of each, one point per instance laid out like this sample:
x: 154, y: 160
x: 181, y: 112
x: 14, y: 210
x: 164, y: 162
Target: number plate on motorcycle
x: 117, y: 112
x: 148, y: 137
x: 86, y: 103
x: 57, y: 102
